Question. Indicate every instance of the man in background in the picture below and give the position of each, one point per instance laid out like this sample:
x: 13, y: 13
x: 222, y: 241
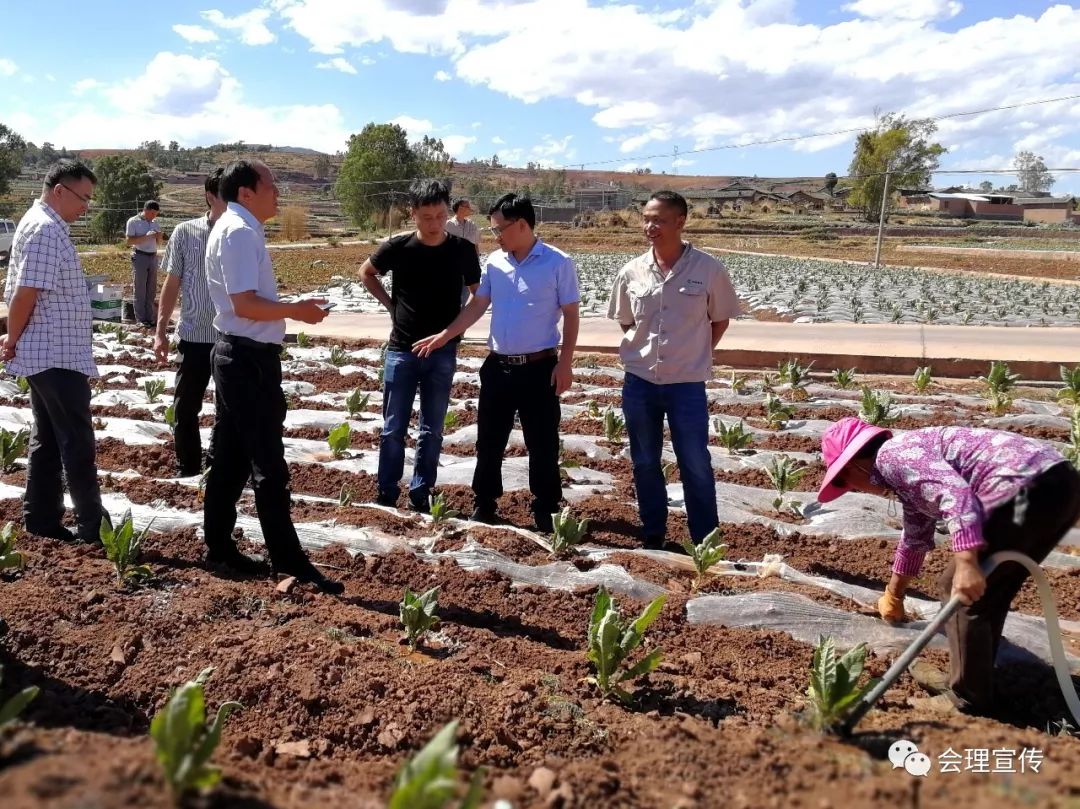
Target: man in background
x: 144, y: 238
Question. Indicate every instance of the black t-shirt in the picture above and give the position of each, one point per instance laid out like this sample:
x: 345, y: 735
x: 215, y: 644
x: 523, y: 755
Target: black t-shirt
x: 427, y: 281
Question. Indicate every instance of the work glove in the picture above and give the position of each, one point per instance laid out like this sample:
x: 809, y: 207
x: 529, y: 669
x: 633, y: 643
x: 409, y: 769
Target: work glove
x: 891, y: 608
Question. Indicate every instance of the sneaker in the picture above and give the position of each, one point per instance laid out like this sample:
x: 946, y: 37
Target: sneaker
x: 386, y: 499
x: 929, y: 676
x: 236, y: 562
x: 421, y: 504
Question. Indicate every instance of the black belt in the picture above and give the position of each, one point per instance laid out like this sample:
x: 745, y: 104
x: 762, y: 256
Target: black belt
x: 247, y: 342
x: 143, y: 252
x: 522, y: 359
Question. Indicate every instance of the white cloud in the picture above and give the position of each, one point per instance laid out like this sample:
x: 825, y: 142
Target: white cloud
x: 337, y: 63
x: 84, y: 86
x: 442, y: 75
x: 498, y: 141
x: 50, y: 77
x: 7, y: 67
x: 251, y: 25
x: 176, y: 84
x: 195, y: 33
x: 414, y: 126
x: 457, y: 145
x: 907, y: 9
x: 679, y: 162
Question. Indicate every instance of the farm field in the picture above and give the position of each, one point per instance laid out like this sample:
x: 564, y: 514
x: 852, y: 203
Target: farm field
x: 334, y: 703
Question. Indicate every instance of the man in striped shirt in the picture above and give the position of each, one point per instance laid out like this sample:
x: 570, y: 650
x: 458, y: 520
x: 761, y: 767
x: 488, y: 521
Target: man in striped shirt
x: 185, y: 268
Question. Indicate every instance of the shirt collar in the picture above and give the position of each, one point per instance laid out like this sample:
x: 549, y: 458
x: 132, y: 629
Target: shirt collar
x: 246, y: 215
x: 53, y: 215
x: 678, y: 263
x: 537, y: 248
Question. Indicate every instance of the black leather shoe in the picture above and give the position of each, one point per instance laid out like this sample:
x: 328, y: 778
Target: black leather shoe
x: 236, y: 562
x: 313, y: 576
x: 56, y: 532
x: 654, y: 543
x: 421, y: 505
x: 543, y: 523
x: 388, y: 500
x: 485, y: 515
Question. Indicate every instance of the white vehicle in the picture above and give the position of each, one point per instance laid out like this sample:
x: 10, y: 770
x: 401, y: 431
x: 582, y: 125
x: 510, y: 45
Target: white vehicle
x: 7, y: 234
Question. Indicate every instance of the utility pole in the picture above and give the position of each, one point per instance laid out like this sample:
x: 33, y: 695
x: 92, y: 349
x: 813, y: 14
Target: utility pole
x: 881, y: 218
x: 675, y: 161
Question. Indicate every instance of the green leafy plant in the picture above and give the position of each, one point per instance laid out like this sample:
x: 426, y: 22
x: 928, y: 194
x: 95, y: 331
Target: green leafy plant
x: 738, y: 383
x: 797, y: 376
x: 922, y: 380
x: 834, y: 687
x: 844, y: 378
x: 777, y: 413
x: 614, y: 426
x: 1072, y: 451
x: 302, y: 340
x: 123, y: 546
x: 121, y: 335
x: 450, y: 420
x: 345, y: 497
x: 876, y: 408
x: 440, y: 510
x: 170, y: 416
x: 357, y: 401
x: 339, y: 439
x: 1071, y: 379
x: 9, y: 557
x: 153, y: 388
x: 735, y: 438
x: 23, y: 384
x: 13, y: 706
x: 12, y: 447
x: 784, y: 474
x: 419, y: 613
x: 183, y: 743
x: 705, y: 554
x: 567, y: 532
x: 429, y: 780
x: 338, y: 356
x: 564, y: 461
x: 611, y: 640
x: 999, y: 382
x: 592, y: 407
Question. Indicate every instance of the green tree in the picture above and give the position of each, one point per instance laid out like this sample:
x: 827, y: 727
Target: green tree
x: 376, y: 171
x: 322, y: 167
x: 899, y: 146
x: 11, y: 157
x: 1031, y: 172
x: 432, y: 159
x: 986, y: 186
x: 830, y: 182
x: 124, y: 183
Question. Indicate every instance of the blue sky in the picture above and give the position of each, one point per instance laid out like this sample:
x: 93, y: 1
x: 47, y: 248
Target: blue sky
x: 559, y: 82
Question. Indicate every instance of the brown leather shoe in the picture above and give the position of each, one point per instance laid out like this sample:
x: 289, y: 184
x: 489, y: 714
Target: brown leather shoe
x: 929, y: 676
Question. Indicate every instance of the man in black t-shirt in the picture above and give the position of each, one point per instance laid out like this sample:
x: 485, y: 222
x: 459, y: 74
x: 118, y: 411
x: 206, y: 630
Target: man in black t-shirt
x: 428, y: 267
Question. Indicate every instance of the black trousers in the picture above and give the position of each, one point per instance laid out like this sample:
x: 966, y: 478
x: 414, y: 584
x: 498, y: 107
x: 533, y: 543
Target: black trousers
x: 246, y: 443
x: 525, y: 390
x: 974, y: 633
x: 192, y: 377
x: 61, y: 439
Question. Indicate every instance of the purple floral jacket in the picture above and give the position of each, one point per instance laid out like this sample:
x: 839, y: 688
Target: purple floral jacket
x: 958, y: 474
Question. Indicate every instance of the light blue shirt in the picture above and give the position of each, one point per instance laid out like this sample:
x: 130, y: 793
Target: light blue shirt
x: 237, y: 261
x: 527, y: 296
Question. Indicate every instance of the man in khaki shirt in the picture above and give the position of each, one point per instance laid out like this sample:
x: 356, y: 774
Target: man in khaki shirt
x: 673, y: 304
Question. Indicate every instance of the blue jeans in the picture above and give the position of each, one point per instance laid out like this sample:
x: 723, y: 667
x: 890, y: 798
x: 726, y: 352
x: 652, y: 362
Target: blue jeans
x: 644, y: 406
x: 403, y: 372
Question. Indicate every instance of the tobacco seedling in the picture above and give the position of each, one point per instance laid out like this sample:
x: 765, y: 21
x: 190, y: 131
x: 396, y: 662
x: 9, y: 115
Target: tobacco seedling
x: 23, y: 384
x: 357, y: 401
x: 153, y: 388
x: 1071, y: 380
x: 844, y: 378
x: 339, y: 439
x: 567, y: 532
x: 738, y: 384
x: 450, y: 420
x: 564, y: 461
x: 123, y: 546
x: 12, y: 447
x: 876, y: 408
x: 302, y: 340
x: 429, y: 780
x: 338, y: 356
x: 13, y: 706
x: 345, y: 497
x: 170, y: 416
x: 797, y: 376
x: 419, y: 613
x: 784, y: 474
x: 611, y: 640
x: 999, y: 382
x: 592, y: 407
x: 777, y: 413
x: 834, y: 687
x: 735, y: 438
x: 183, y: 743
x: 9, y: 557
x: 922, y: 380
x: 705, y: 554
x: 614, y: 426
x: 121, y: 335
x: 440, y: 510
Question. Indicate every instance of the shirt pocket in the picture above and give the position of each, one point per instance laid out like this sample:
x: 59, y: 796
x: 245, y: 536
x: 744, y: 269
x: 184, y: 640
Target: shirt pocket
x: 641, y: 297
x: 692, y: 296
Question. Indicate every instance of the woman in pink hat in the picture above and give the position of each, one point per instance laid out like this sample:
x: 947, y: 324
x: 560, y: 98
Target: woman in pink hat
x: 994, y: 490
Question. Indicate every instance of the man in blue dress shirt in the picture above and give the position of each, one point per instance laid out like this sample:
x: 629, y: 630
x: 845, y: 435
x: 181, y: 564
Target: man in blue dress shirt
x: 529, y: 286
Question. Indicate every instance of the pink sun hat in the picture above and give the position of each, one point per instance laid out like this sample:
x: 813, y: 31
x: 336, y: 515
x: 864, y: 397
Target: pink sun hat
x: 840, y: 443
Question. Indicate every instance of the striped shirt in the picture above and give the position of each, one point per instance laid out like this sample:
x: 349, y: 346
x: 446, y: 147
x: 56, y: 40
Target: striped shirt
x: 185, y: 258
x: 957, y: 474
x: 59, y: 332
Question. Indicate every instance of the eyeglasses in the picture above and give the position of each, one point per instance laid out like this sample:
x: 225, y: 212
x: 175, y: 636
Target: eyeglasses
x: 497, y: 231
x: 86, y: 200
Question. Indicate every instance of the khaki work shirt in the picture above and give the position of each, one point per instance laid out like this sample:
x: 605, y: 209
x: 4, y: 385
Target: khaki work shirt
x: 672, y: 317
